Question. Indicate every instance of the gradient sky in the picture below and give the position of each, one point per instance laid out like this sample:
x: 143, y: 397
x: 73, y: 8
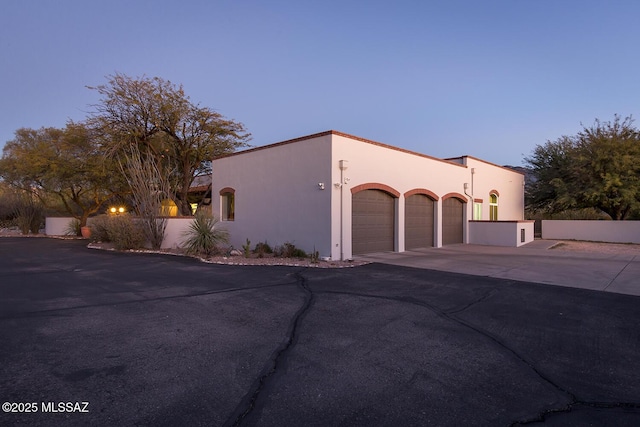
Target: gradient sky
x: 491, y: 79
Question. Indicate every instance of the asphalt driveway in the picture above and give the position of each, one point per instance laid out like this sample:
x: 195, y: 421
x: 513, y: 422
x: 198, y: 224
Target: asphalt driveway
x: 102, y: 338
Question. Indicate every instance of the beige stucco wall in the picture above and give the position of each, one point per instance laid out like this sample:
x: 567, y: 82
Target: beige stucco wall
x: 597, y: 231
x: 277, y: 196
x: 174, y: 233
x: 400, y: 170
x: 486, y: 178
x: 501, y: 233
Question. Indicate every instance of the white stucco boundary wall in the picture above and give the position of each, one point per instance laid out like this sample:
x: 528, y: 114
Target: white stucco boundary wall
x: 501, y: 233
x: 173, y: 235
x: 592, y: 230
x: 57, y: 226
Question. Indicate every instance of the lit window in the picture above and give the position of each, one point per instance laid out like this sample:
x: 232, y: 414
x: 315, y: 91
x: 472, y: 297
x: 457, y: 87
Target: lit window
x: 493, y: 207
x: 477, y: 211
x: 228, y: 202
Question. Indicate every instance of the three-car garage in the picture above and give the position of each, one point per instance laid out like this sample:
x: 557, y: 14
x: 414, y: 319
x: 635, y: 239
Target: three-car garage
x: 373, y: 220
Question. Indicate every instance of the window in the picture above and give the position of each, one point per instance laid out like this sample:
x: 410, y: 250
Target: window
x: 477, y: 211
x: 227, y: 203
x: 493, y: 207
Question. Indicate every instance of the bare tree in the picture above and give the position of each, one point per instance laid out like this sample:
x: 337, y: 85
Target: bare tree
x: 149, y: 187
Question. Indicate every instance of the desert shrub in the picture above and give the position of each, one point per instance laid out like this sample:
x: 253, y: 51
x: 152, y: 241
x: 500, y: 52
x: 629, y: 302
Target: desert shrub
x: 315, y: 256
x: 29, y: 214
x: 73, y: 228
x: 289, y: 250
x: 124, y: 233
x: 247, y: 249
x: 204, y: 235
x: 7, y: 209
x: 149, y: 187
x: 298, y: 253
x: 262, y: 248
x: 100, y: 228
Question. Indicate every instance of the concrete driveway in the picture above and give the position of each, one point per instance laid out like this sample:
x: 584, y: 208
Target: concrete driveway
x: 162, y: 340
x: 534, y: 262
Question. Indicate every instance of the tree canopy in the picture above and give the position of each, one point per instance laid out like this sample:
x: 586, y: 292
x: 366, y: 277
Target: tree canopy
x: 67, y: 163
x: 156, y: 116
x: 599, y: 168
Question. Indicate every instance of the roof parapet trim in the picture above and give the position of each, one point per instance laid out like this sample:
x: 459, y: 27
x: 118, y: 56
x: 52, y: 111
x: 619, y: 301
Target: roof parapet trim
x: 344, y: 135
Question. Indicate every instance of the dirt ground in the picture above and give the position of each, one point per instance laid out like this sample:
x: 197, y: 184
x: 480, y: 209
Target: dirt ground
x: 597, y: 247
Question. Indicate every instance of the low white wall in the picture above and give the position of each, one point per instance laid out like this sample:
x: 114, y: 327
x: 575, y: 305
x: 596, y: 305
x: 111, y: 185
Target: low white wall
x: 500, y: 233
x: 592, y: 230
x: 174, y: 233
x: 173, y: 236
x: 57, y: 226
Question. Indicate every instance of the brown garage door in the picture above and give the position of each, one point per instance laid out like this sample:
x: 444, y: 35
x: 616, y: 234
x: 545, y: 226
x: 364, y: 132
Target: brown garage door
x: 418, y: 222
x: 373, y: 213
x: 452, y: 214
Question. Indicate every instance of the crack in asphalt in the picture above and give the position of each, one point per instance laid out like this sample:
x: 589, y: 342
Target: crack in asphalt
x: 248, y: 403
x: 619, y: 273
x: 543, y: 416
x: 450, y: 315
x: 54, y: 311
x: 471, y: 304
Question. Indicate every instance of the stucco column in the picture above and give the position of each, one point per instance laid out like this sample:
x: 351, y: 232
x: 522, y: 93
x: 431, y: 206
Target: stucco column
x: 437, y: 223
x: 399, y: 243
x: 465, y: 220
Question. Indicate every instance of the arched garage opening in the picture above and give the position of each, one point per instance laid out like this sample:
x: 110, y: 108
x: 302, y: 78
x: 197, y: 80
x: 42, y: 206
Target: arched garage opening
x: 452, y: 218
x: 419, y: 218
x: 373, y: 218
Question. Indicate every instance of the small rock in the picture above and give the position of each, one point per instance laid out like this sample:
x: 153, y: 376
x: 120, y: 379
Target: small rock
x: 235, y: 252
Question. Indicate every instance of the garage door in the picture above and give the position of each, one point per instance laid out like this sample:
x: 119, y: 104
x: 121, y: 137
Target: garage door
x: 418, y: 222
x: 373, y: 213
x: 452, y: 214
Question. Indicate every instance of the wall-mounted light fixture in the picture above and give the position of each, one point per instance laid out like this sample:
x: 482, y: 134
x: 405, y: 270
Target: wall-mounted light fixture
x: 337, y: 184
x: 321, y: 185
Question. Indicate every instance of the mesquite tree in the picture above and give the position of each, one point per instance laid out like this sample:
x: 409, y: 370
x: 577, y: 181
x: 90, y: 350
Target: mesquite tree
x: 599, y: 168
x: 156, y: 116
x: 64, y: 164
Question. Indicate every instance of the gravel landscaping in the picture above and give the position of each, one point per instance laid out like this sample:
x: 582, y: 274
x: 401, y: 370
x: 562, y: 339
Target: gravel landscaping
x: 597, y: 247
x: 563, y: 245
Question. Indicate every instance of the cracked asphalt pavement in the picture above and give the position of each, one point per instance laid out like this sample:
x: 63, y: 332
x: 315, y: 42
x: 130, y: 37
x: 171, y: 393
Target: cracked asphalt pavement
x: 164, y: 340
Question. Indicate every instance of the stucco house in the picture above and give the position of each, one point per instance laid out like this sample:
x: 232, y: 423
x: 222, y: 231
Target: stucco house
x: 344, y: 196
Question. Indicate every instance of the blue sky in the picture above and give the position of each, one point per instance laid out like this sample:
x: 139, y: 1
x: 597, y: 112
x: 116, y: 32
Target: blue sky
x: 491, y: 79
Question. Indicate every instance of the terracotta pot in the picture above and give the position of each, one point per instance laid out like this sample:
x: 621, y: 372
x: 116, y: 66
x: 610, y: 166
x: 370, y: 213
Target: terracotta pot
x: 85, y: 231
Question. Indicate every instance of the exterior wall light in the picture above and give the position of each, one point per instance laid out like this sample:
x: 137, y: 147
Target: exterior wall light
x: 121, y: 209
x: 321, y: 185
x: 112, y: 210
